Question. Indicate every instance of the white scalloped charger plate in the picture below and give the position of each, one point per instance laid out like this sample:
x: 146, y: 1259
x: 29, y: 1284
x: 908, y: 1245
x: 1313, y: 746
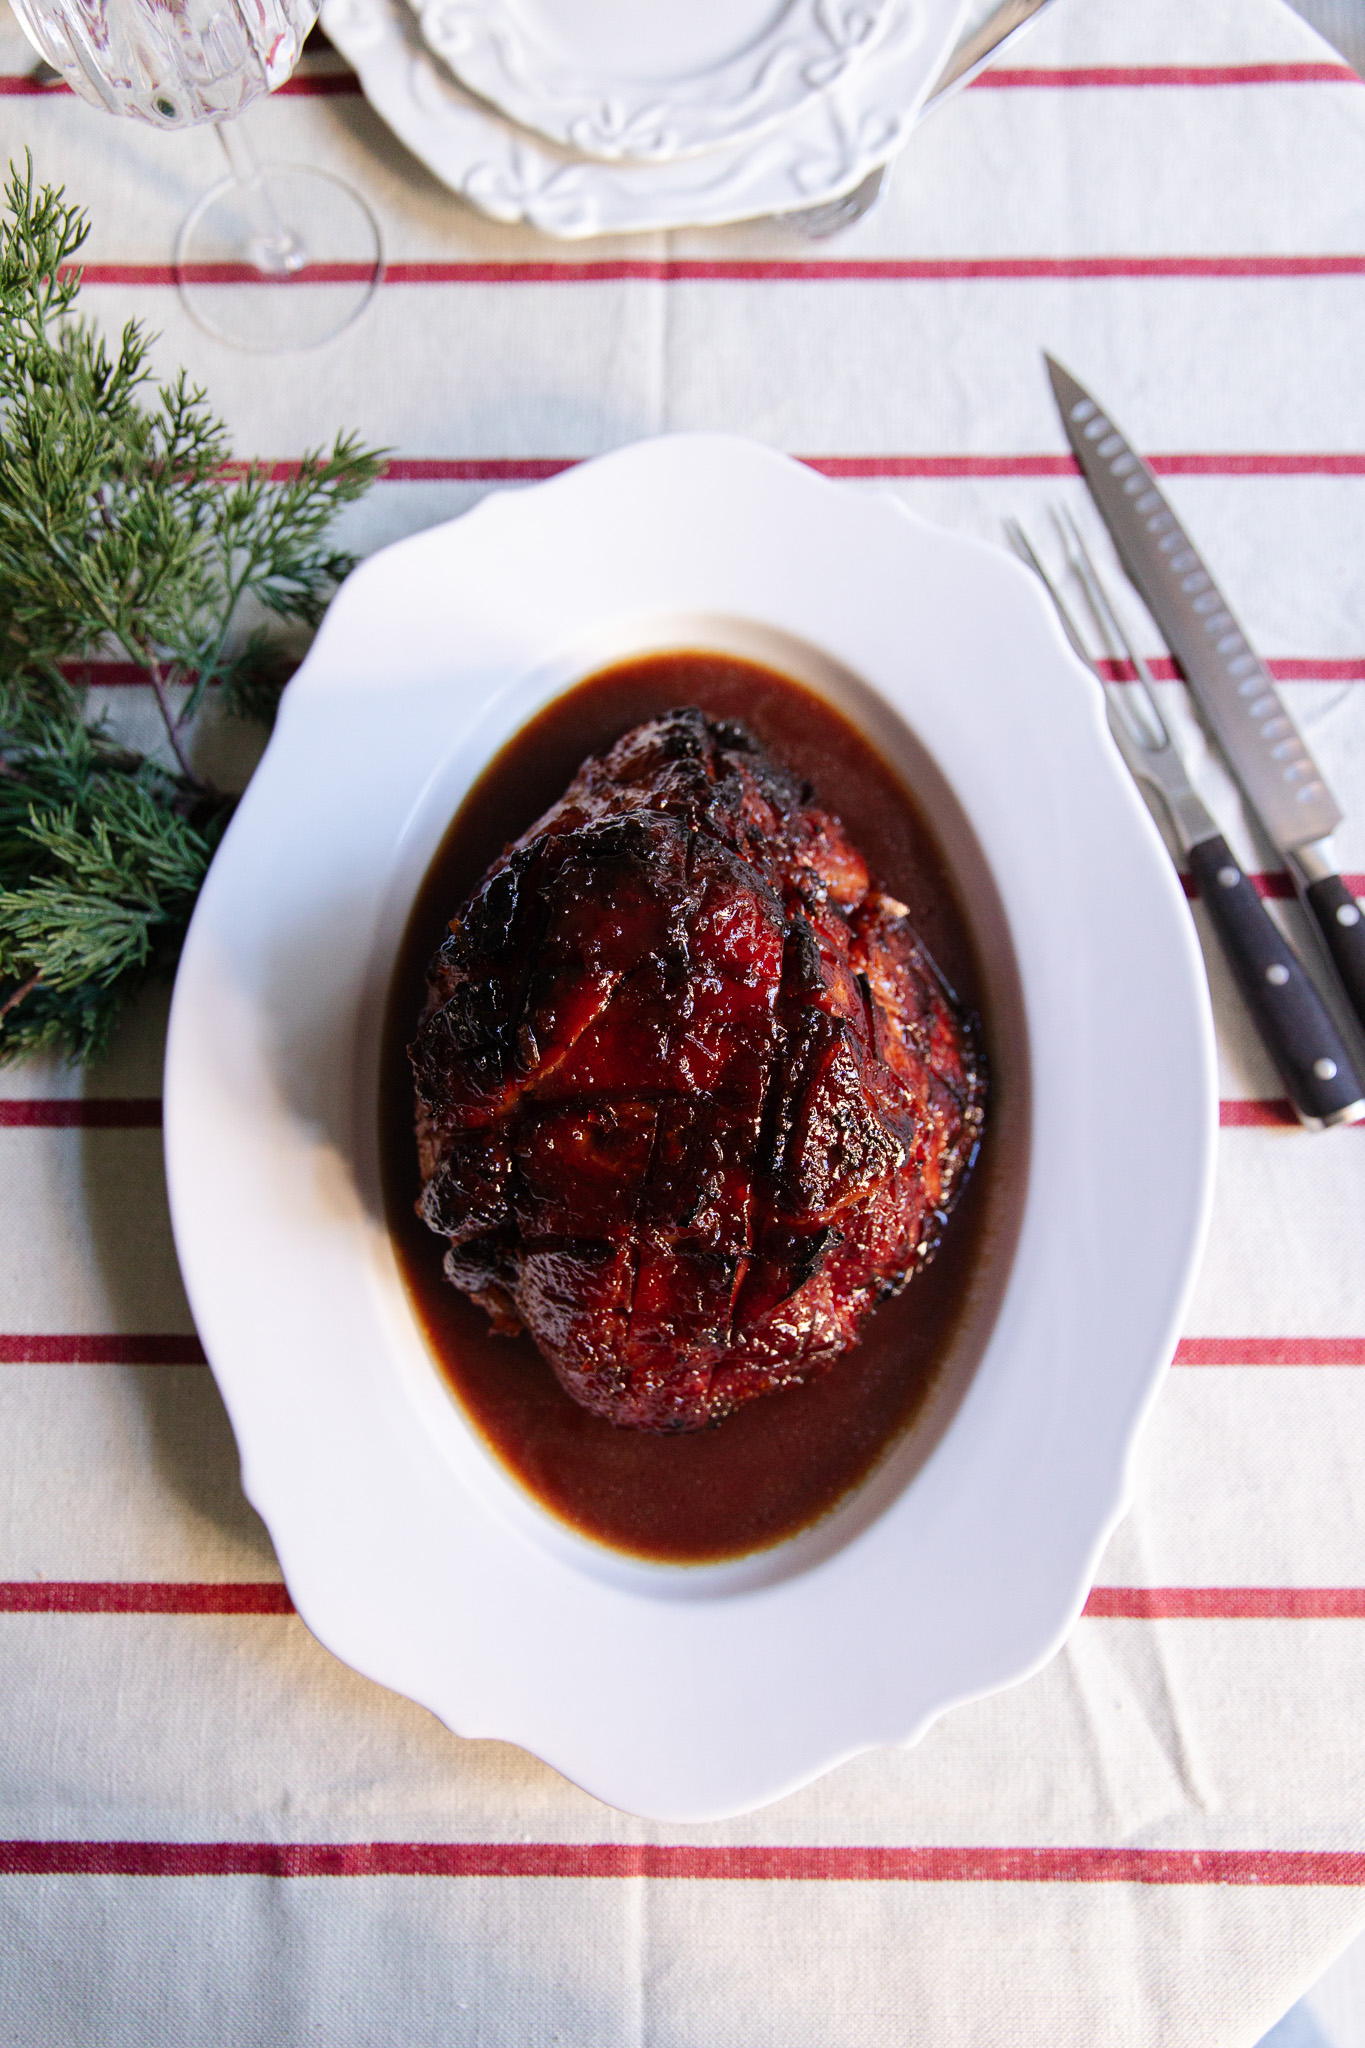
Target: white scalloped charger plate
x: 691, y: 1693
x: 822, y: 150
x: 614, y: 79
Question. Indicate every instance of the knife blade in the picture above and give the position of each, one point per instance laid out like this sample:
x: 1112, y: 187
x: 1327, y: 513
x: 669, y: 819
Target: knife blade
x: 1231, y: 684
x: 1296, y: 1030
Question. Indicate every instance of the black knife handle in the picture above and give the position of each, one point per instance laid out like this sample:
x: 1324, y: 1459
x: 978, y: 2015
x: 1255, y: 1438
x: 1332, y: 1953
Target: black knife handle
x: 1290, y: 1015
x: 1343, y: 927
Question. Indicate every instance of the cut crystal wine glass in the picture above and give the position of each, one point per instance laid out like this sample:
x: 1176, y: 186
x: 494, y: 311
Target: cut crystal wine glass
x: 276, y: 256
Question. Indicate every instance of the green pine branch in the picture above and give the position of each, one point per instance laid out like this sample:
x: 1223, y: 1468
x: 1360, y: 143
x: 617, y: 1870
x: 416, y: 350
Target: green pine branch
x: 123, y: 532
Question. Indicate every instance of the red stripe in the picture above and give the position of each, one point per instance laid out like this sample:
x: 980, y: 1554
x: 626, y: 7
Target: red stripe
x: 150, y: 274
x: 477, y: 469
x: 105, y: 674
x: 1266, y: 464
x: 1184, y: 1603
x: 323, y: 85
x: 1221, y: 464
x: 1227, y: 1603
x: 41, y: 1348
x: 685, y: 1860
x: 1296, y: 668
x: 1272, y: 1110
x: 47, y: 1348
x: 404, y: 469
x: 534, y: 468
x: 85, y: 1112
x: 1001, y: 77
x: 1188, y: 1603
x: 863, y: 269
x: 504, y: 469
x: 319, y: 85
x: 1277, y: 887
x: 133, y: 1596
x: 44, y: 1348
x: 1277, y: 1110
x: 755, y: 270
x: 1270, y: 1351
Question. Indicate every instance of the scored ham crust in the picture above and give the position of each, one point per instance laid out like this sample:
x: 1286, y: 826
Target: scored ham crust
x: 691, y: 1095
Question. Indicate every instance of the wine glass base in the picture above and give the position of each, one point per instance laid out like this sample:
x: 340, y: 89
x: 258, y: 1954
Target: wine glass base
x: 284, y: 260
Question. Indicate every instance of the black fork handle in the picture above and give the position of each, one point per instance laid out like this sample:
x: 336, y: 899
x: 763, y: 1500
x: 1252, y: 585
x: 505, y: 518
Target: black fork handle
x: 1298, y: 1033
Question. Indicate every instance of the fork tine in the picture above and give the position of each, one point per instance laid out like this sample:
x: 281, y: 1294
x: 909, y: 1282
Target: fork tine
x: 1112, y: 629
x: 1126, y: 727
x: 1106, y: 618
x: 1023, y: 547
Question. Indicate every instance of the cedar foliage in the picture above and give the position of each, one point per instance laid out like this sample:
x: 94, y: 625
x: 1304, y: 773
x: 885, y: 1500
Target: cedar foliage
x: 123, y: 534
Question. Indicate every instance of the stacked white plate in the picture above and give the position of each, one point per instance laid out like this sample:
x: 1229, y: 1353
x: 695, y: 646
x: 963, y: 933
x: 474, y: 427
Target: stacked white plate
x: 590, y: 117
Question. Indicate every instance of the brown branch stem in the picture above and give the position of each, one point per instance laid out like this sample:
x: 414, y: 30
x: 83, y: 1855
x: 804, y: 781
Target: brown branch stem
x: 16, y: 996
x: 172, y: 725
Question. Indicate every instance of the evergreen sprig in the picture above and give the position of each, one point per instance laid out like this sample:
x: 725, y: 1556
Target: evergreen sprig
x: 125, y: 531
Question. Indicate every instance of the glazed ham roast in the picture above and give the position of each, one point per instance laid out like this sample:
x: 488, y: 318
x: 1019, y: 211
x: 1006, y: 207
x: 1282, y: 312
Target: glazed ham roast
x: 691, y: 1096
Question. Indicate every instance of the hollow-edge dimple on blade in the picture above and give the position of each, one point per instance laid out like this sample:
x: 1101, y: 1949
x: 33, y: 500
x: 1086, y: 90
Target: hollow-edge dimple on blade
x: 1230, y: 682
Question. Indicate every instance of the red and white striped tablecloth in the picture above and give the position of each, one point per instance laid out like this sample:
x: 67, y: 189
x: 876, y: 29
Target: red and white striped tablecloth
x: 211, y: 1831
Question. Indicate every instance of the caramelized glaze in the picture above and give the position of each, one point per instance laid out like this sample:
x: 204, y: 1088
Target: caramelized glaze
x: 781, y: 1463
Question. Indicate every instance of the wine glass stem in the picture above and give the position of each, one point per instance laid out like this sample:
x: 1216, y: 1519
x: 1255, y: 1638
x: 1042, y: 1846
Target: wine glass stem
x: 273, y: 247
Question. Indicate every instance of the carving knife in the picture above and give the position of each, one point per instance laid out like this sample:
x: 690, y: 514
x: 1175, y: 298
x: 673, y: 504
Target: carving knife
x: 1230, y: 683
x: 1295, y: 1027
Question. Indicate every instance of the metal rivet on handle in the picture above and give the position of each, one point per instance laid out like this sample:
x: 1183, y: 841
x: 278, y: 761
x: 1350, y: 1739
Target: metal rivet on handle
x: 1326, y: 1070
x: 1348, y: 913
x: 1277, y: 974
x: 1082, y: 410
x: 1229, y: 877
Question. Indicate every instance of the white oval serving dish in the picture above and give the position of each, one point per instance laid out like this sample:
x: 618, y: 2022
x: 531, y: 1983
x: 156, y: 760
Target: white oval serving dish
x: 690, y: 1693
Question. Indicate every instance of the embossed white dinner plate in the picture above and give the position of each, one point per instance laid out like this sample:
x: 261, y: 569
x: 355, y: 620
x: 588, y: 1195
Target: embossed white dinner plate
x: 613, y: 78
x: 688, y: 1693
x: 822, y: 150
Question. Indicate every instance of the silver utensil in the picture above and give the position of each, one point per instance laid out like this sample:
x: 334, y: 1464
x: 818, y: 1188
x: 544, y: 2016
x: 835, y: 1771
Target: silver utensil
x: 1231, y: 685
x: 1308, y: 1051
x: 817, y: 223
x: 982, y: 46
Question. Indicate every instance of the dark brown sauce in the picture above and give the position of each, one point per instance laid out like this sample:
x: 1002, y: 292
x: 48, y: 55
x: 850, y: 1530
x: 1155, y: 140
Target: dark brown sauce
x: 784, y: 1460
